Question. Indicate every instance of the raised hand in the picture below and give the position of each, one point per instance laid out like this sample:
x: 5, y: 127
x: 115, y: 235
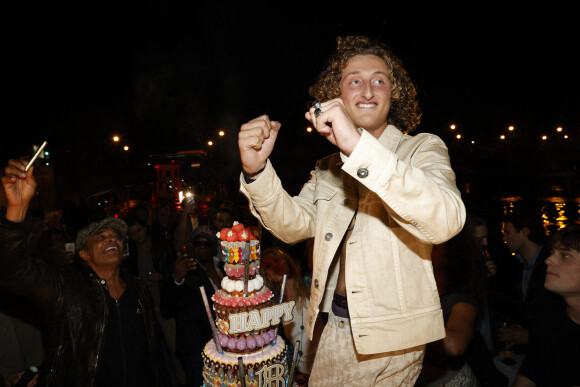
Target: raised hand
x: 20, y: 187
x: 334, y: 123
x: 182, y: 265
x: 256, y: 142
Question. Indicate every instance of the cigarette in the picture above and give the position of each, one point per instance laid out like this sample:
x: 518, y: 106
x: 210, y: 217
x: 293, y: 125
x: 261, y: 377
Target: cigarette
x: 38, y: 153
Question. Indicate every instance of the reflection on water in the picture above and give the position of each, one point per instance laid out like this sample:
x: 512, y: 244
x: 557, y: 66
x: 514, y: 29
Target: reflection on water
x: 557, y: 211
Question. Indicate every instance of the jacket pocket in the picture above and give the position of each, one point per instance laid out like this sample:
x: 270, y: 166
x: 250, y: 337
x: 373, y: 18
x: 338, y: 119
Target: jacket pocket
x: 323, y: 195
x: 324, y: 191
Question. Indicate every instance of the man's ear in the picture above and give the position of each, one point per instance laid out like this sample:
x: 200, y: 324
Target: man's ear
x: 84, y: 255
x: 526, y: 232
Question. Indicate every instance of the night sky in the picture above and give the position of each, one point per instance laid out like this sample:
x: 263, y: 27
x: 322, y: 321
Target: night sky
x: 167, y: 75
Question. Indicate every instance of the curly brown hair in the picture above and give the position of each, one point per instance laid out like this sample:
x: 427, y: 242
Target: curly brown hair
x: 405, y: 113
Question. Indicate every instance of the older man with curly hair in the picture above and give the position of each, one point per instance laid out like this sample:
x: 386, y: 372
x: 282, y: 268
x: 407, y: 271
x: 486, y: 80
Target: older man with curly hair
x: 375, y: 208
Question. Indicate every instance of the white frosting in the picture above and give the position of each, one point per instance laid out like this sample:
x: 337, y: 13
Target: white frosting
x: 253, y: 284
x: 239, y: 286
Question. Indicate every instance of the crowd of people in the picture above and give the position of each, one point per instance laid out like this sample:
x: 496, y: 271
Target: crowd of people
x: 390, y: 270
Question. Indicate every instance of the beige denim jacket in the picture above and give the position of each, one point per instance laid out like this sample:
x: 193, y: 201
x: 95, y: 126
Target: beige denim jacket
x: 404, y: 190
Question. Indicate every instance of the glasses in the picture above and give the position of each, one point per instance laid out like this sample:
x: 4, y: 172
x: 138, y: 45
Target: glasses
x: 202, y: 244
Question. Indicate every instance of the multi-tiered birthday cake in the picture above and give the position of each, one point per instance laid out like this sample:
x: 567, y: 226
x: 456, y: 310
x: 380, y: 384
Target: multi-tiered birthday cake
x: 246, y: 349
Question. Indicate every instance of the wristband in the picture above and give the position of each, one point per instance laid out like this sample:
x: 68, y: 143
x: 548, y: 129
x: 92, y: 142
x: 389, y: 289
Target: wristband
x: 248, y: 176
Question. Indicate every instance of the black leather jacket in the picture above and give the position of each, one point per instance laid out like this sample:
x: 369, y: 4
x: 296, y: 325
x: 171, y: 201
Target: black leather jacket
x: 73, y: 301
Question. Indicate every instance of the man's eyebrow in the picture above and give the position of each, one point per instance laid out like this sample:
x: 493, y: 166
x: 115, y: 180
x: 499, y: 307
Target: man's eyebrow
x: 357, y: 72
x: 562, y: 249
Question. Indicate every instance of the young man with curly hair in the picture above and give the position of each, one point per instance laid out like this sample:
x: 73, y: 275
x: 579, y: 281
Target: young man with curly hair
x: 375, y: 209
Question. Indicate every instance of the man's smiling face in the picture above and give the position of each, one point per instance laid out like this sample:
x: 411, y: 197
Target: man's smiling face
x: 366, y: 92
x: 103, y: 248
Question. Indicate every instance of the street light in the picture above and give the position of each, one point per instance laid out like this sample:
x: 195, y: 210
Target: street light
x: 116, y: 138
x: 309, y: 129
x: 222, y: 133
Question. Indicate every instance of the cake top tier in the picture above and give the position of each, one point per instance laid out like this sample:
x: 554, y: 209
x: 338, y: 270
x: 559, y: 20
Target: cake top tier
x: 235, y: 241
x: 238, y: 233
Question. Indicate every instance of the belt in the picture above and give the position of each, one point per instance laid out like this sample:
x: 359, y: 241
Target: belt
x: 340, y: 306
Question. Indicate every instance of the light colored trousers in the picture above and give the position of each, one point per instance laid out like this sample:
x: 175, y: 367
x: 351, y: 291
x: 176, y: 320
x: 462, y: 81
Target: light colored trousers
x: 338, y: 364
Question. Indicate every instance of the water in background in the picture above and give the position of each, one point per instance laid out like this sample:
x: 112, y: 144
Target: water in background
x: 557, y: 211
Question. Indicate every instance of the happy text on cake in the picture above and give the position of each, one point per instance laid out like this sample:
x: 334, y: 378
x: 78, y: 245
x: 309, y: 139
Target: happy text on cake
x: 260, y: 319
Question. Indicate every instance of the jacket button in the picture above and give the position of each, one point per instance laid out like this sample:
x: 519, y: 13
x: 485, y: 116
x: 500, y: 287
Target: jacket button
x: 362, y: 173
x: 341, y: 324
x: 345, y: 202
x: 310, y: 320
x: 316, y: 283
x: 328, y: 236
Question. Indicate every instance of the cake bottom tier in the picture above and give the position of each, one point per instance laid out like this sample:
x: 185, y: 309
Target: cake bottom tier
x: 267, y: 367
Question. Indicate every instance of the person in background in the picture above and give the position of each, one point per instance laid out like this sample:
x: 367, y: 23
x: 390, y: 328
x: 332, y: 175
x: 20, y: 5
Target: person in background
x: 151, y: 257
x: 88, y: 305
x: 275, y: 263
x: 476, y: 227
x: 186, y: 223
x: 553, y: 352
x: 461, y: 358
x: 524, y: 236
x: 223, y: 219
x: 144, y: 212
x: 199, y: 265
x: 163, y: 223
x: 374, y: 209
